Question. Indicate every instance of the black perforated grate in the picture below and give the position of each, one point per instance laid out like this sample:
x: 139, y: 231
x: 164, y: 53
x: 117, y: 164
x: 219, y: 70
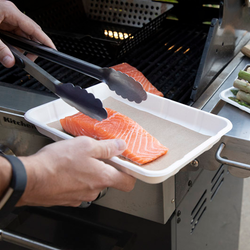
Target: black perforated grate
x: 169, y: 60
x: 134, y: 13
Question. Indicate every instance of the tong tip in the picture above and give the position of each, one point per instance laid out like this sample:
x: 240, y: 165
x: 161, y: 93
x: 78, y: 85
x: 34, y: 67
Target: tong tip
x: 124, y: 85
x: 83, y: 101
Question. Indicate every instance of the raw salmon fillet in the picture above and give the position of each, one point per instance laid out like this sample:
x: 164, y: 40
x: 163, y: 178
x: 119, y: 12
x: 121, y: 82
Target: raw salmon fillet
x: 141, y: 146
x: 138, y: 76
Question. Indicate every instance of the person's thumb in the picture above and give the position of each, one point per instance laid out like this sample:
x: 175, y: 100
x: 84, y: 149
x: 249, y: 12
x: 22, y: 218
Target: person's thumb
x: 105, y: 149
x: 6, y: 57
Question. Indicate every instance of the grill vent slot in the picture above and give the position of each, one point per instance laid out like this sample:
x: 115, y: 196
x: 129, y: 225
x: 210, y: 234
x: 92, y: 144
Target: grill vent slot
x: 208, y: 195
x: 198, y: 211
x: 217, y: 181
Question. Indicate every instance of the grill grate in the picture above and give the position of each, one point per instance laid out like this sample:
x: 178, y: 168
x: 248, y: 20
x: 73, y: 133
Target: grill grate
x: 114, y: 26
x: 169, y: 60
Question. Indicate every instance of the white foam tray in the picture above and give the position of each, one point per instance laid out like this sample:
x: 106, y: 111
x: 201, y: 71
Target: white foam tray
x: 205, y: 123
x: 224, y: 95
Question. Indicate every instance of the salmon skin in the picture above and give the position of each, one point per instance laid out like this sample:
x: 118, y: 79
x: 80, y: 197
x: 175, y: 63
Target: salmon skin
x: 138, y: 76
x: 141, y: 146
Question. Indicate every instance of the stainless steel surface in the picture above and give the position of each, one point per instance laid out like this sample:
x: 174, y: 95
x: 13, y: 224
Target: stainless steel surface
x: 19, y: 101
x: 235, y: 155
x: 209, y: 216
x: 210, y: 100
x: 24, y: 242
x: 230, y: 162
x: 152, y: 202
x: 17, y: 134
x: 237, y: 140
x: 211, y: 97
x: 184, y: 181
x: 227, y: 35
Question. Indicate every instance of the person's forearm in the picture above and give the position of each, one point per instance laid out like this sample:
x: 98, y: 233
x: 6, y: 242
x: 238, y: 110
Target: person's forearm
x: 5, y: 175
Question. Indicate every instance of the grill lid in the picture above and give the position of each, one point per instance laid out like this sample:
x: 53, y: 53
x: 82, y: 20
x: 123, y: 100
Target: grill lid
x: 227, y: 35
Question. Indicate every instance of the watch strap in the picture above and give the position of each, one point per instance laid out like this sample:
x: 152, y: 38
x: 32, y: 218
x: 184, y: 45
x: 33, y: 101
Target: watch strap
x: 17, y: 185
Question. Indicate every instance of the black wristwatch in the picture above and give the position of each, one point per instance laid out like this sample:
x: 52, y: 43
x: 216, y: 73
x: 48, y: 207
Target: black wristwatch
x: 17, y: 185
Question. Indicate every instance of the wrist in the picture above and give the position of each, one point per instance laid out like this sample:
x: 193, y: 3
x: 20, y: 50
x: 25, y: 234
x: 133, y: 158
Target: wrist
x: 30, y: 181
x: 16, y: 186
x: 35, y: 180
x: 5, y: 175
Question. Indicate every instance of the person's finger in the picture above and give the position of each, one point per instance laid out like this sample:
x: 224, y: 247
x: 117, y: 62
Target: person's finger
x: 121, y: 181
x: 6, y: 57
x: 15, y: 21
x: 105, y: 149
x: 33, y: 31
x: 32, y: 57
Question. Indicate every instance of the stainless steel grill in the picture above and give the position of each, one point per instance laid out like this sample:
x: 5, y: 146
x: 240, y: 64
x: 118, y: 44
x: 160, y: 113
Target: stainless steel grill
x: 185, y: 58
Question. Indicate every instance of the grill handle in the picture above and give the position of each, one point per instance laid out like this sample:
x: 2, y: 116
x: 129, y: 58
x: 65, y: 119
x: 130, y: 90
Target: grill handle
x: 229, y: 162
x: 24, y: 242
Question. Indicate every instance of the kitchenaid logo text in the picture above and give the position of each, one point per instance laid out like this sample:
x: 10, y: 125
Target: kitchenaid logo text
x: 18, y: 123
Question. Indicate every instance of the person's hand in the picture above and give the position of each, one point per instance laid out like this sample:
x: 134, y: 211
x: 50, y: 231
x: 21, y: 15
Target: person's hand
x: 13, y: 20
x: 69, y: 172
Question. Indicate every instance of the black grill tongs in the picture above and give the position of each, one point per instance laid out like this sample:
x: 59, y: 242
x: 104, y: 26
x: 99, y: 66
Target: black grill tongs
x: 85, y: 102
x: 73, y: 95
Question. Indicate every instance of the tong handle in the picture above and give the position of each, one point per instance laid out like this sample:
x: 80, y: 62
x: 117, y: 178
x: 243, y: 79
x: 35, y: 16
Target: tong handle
x: 40, y: 74
x: 53, y: 55
x: 121, y: 83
